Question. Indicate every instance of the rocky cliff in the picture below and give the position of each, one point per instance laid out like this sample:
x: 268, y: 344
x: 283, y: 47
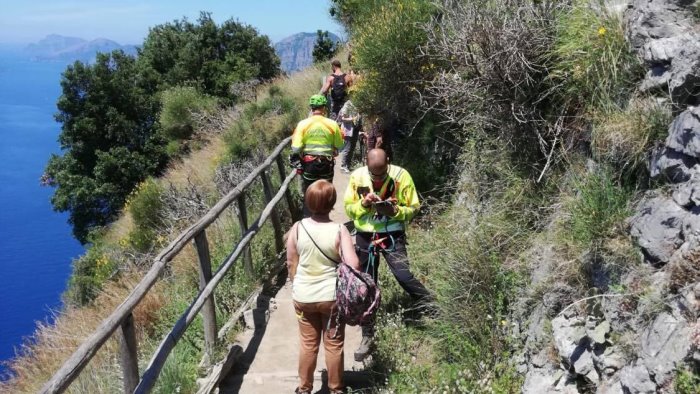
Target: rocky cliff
x: 295, y: 51
x: 638, y: 337
x: 60, y: 48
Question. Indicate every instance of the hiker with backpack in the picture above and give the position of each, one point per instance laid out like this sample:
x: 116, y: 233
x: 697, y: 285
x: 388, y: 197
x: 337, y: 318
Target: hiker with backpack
x: 315, y: 247
x: 315, y: 143
x: 338, y: 83
x: 381, y: 199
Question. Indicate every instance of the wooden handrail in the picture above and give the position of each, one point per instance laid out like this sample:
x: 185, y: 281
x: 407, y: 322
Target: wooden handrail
x: 72, y: 367
x: 170, y: 340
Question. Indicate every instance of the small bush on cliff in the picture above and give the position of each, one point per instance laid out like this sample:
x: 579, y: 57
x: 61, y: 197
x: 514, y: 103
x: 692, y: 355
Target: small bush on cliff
x: 146, y: 208
x: 180, y: 106
x: 593, y: 65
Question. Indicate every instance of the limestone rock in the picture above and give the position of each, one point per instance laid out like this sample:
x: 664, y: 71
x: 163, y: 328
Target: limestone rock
x: 661, y: 32
x: 684, y: 132
x: 636, y: 380
x: 665, y: 344
x: 675, y: 166
x: 657, y: 228
x: 610, y: 386
x: 687, y: 194
x: 651, y: 19
x: 569, y: 332
x: 541, y: 380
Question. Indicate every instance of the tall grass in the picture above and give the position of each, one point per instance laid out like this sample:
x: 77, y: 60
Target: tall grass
x: 593, y: 66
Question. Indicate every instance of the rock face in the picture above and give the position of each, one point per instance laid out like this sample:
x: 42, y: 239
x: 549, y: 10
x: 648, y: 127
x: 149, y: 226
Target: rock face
x: 295, y: 52
x: 614, y: 343
x: 662, y: 33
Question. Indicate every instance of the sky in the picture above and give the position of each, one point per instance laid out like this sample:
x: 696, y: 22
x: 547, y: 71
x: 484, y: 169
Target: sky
x: 127, y: 21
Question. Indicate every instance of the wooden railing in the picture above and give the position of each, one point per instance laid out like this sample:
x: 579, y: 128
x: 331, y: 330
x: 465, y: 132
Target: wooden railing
x: 122, y: 317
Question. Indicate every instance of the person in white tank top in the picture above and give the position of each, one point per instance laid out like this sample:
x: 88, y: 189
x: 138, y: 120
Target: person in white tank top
x: 314, y: 248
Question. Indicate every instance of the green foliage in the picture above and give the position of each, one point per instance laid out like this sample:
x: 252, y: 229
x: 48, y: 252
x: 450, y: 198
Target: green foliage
x: 324, y: 48
x: 687, y: 381
x: 179, y: 104
x: 386, y: 49
x: 109, y: 137
x: 89, y: 273
x: 262, y: 123
x: 592, y: 64
x: 179, y: 374
x: 146, y: 208
x: 600, y: 204
x: 209, y: 56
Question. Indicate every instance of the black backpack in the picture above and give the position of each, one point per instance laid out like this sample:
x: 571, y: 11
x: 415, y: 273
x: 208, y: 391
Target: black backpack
x: 338, y: 87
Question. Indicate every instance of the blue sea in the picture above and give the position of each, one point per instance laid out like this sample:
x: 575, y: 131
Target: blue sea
x: 36, y: 244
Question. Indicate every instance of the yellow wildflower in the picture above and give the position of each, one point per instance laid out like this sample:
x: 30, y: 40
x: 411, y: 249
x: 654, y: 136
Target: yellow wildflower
x: 601, y: 31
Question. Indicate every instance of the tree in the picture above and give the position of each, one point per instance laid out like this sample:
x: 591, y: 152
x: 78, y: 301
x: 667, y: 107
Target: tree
x: 109, y: 136
x: 209, y: 57
x: 325, y: 47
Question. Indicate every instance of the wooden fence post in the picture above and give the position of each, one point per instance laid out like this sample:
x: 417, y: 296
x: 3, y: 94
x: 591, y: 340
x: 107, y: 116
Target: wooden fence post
x: 288, y: 194
x: 276, y: 224
x: 128, y: 354
x: 243, y: 222
x: 208, y: 309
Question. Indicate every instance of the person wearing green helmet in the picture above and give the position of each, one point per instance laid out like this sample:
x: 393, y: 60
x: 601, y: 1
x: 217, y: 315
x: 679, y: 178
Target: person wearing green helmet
x: 315, y: 143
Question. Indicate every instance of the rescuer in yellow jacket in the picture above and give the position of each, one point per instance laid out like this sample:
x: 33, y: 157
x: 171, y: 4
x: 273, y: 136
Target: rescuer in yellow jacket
x: 315, y: 143
x: 381, y: 199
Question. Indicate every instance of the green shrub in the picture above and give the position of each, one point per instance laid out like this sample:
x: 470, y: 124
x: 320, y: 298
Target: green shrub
x: 599, y: 206
x: 90, y: 272
x: 178, y: 106
x: 263, y: 123
x: 386, y: 51
x: 592, y: 64
x: 146, y: 208
x: 687, y: 381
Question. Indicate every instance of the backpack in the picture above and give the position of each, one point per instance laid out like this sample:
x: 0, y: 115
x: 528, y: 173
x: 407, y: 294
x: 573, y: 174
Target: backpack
x: 357, y: 296
x: 338, y: 87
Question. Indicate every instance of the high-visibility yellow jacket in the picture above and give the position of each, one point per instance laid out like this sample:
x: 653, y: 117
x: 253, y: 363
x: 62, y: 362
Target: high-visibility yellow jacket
x: 318, y: 136
x: 398, y: 184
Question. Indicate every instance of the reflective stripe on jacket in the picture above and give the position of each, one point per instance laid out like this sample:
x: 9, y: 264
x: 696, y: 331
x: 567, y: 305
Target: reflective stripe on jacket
x: 318, y: 136
x: 398, y: 184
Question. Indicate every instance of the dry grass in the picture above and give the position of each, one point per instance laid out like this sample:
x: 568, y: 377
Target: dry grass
x: 624, y: 137
x: 52, y: 344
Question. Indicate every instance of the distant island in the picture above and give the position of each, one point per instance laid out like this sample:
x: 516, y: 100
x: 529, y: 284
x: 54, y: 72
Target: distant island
x: 295, y: 51
x: 59, y: 48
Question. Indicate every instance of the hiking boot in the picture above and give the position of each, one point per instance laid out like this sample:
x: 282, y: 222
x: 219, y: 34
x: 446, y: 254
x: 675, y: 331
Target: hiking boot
x: 366, y: 346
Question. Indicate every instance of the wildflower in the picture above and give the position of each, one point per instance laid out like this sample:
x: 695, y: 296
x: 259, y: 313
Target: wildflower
x: 601, y: 31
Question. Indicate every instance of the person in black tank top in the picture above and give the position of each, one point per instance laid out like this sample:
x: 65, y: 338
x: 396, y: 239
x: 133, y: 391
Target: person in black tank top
x: 337, y: 83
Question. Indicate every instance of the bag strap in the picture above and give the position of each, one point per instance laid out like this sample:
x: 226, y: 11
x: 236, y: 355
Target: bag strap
x: 315, y: 244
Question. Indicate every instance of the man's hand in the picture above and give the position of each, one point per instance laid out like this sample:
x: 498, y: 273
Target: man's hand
x: 369, y: 199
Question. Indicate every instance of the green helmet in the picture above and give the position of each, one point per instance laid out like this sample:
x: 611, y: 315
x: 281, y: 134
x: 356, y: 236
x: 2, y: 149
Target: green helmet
x: 318, y: 100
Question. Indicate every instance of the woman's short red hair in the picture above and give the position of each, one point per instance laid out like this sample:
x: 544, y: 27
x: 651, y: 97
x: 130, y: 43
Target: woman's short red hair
x: 320, y: 197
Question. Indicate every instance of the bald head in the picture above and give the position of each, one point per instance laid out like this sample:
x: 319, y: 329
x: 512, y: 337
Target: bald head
x: 377, y: 162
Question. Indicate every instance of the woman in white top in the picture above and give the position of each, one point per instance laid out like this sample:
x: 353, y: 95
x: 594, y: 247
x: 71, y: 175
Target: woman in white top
x: 314, y: 246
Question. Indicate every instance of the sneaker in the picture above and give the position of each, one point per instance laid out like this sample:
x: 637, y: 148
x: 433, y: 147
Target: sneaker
x: 345, y: 169
x: 298, y: 391
x: 366, y: 346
